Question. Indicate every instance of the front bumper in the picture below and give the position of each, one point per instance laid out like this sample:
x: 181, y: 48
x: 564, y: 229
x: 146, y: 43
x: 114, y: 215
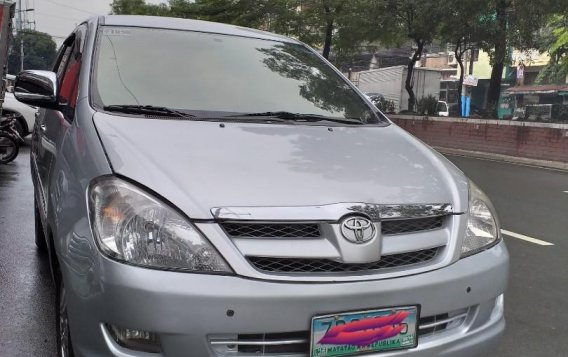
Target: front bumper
x: 186, y: 310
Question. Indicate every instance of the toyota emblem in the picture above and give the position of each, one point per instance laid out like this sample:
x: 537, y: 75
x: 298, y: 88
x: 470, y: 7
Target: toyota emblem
x: 357, y: 229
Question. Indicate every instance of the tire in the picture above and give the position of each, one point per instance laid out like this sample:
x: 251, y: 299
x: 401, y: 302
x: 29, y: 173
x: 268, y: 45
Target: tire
x: 20, y: 128
x: 64, y: 346
x: 8, y: 149
x: 40, y: 242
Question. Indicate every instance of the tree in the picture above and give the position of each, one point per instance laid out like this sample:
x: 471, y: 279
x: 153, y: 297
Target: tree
x: 554, y: 39
x: 417, y: 20
x: 39, y: 51
x: 320, y: 18
x: 464, y: 27
x: 515, y: 24
x: 312, y: 21
x: 138, y: 7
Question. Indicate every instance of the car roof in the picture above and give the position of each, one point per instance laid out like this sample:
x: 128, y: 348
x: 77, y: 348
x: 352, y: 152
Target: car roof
x: 190, y: 25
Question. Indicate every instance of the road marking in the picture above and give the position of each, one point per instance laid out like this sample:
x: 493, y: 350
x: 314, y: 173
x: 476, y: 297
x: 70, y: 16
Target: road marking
x: 525, y: 238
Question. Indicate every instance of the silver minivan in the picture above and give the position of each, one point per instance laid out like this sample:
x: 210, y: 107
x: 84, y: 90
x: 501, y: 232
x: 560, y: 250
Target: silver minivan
x: 210, y: 190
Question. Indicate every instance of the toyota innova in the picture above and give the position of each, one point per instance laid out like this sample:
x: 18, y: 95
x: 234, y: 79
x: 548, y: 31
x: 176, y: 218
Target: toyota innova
x: 210, y: 190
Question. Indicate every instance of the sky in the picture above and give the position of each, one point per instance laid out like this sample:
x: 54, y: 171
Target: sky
x: 59, y: 17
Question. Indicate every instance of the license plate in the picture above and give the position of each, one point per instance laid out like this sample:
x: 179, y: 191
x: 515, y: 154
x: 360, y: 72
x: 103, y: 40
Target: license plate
x: 355, y: 333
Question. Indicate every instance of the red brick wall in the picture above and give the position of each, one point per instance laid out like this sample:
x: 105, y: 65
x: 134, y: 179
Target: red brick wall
x: 529, y: 140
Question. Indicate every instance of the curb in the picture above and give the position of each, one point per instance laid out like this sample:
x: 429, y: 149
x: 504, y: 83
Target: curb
x: 557, y: 165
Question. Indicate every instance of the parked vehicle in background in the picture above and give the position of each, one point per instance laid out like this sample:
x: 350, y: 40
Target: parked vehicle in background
x: 447, y: 110
x: 375, y: 98
x: 390, y: 82
x: 443, y: 109
x: 290, y: 218
x: 9, y: 139
x: 23, y: 113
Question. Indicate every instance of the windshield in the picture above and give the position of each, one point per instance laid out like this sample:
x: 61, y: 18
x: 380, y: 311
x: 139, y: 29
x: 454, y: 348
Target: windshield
x: 213, y: 75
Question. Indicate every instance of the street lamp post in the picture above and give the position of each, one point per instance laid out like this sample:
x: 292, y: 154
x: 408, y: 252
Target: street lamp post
x: 20, y: 28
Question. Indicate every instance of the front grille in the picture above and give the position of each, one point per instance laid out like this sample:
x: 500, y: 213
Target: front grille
x: 435, y: 324
x: 288, y: 342
x: 298, y: 342
x: 272, y: 230
x: 312, y: 230
x: 412, y: 225
x: 301, y: 265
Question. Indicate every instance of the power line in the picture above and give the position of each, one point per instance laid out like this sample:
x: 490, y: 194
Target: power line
x: 39, y: 33
x: 58, y: 16
x: 71, y: 7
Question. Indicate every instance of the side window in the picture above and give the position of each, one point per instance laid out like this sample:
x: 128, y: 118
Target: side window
x: 68, y: 73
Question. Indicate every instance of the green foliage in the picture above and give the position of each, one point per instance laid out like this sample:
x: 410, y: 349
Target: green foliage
x: 385, y: 105
x: 428, y: 105
x: 554, y: 39
x: 39, y: 51
x: 139, y: 7
x: 553, y: 73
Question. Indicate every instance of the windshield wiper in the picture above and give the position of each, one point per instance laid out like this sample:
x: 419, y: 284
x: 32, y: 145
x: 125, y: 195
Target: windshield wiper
x: 284, y: 116
x: 148, y: 110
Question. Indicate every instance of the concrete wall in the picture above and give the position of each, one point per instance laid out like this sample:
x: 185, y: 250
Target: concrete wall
x: 539, y: 141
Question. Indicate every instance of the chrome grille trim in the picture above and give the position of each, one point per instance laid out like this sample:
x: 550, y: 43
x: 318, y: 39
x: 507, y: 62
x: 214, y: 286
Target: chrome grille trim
x: 332, y: 212
x: 236, y: 342
x: 273, y: 265
x: 444, y: 321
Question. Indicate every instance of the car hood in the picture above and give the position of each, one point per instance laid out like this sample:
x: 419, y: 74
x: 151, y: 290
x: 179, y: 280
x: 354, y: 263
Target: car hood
x: 199, y: 165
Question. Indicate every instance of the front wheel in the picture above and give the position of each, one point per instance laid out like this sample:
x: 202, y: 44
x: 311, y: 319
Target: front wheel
x: 8, y: 149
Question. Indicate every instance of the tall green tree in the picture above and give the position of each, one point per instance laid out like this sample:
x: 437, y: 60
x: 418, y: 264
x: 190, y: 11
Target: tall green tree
x: 39, y: 51
x: 553, y: 39
x: 321, y: 20
x: 515, y: 24
x: 139, y: 7
x: 417, y: 21
x: 312, y: 21
x: 464, y: 27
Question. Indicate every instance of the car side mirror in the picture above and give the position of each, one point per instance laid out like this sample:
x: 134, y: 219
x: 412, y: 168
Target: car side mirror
x: 37, y: 88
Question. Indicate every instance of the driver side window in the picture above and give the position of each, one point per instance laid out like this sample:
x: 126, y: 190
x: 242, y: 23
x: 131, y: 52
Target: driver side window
x: 68, y: 72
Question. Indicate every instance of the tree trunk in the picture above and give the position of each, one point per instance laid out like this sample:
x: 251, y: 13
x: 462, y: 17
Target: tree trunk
x: 410, y: 68
x: 328, y: 38
x: 500, y: 56
x: 495, y: 83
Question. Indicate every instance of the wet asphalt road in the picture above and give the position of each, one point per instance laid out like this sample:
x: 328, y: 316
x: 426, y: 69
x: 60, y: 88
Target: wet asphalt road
x: 530, y: 201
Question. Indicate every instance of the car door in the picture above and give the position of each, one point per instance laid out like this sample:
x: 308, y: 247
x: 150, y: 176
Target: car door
x: 51, y: 124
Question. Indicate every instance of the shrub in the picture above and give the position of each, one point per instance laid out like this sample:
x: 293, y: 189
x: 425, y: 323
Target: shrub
x: 428, y: 105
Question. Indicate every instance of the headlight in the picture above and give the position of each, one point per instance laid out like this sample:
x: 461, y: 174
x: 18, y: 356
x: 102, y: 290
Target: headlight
x: 136, y: 228
x: 482, y: 227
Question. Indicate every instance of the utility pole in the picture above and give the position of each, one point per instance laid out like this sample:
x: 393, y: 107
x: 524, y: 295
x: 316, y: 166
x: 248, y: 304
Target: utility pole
x: 20, y: 27
x: 19, y: 30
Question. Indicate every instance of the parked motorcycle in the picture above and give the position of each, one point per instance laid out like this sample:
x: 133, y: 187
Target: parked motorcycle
x: 9, y: 139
